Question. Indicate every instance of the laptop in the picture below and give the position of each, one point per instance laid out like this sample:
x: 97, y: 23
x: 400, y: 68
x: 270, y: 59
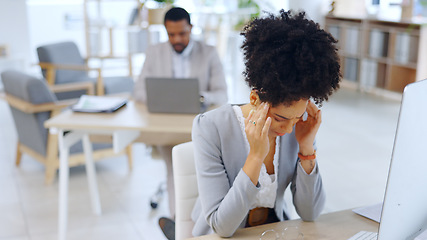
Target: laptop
x: 173, y: 95
x: 404, y: 211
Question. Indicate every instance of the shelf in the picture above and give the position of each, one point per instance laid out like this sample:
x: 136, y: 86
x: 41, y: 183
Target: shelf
x: 380, y: 54
x: 379, y: 59
x: 399, y: 78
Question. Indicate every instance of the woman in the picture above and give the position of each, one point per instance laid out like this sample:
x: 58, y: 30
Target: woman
x: 247, y: 155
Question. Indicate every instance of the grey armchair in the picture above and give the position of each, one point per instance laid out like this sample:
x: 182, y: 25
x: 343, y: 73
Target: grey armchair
x: 31, y: 103
x: 61, y: 63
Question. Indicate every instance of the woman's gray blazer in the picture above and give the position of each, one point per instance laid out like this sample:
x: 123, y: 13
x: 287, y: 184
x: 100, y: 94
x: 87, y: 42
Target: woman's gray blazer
x: 226, y: 193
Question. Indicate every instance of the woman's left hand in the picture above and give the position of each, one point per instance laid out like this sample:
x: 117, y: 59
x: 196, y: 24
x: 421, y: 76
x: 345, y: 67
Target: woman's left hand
x: 305, y: 131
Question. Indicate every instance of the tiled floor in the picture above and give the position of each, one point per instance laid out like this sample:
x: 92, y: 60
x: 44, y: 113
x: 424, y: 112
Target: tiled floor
x: 354, y: 149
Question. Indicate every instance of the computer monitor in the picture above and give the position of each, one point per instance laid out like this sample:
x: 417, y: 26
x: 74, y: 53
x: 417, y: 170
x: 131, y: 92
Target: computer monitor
x: 404, y: 213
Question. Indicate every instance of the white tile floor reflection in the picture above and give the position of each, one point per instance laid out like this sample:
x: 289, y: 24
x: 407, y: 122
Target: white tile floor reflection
x: 354, y: 149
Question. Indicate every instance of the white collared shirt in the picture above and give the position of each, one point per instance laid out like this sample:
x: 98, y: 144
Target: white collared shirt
x: 181, y: 62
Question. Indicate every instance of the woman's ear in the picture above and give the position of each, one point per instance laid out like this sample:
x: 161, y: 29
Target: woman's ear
x: 254, y: 98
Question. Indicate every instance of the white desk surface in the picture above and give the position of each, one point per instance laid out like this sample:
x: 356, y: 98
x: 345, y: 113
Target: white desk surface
x: 331, y: 226
x: 133, y: 116
x: 162, y: 129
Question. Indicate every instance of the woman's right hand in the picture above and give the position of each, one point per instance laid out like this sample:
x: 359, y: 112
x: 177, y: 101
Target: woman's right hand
x: 257, y: 126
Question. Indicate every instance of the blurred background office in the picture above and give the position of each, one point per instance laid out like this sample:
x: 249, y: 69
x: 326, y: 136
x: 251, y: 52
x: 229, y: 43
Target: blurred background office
x: 379, y: 57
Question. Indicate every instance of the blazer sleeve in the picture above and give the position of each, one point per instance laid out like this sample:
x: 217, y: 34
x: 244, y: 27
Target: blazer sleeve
x: 148, y: 69
x: 224, y: 207
x: 217, y: 92
x: 308, y: 193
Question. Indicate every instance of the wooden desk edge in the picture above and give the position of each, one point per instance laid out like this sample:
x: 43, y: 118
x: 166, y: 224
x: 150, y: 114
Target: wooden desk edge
x: 335, y: 225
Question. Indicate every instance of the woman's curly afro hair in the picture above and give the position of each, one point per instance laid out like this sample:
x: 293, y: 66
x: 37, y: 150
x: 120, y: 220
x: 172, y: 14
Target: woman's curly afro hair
x: 289, y: 58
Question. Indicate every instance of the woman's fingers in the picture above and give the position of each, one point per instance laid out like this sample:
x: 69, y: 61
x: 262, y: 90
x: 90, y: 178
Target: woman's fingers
x: 256, y: 120
x: 266, y: 127
x: 319, y: 117
x: 312, y: 109
x: 251, y: 113
x: 260, y: 121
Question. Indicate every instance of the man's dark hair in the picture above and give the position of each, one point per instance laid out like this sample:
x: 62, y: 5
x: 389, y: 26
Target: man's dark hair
x: 289, y: 58
x: 177, y: 14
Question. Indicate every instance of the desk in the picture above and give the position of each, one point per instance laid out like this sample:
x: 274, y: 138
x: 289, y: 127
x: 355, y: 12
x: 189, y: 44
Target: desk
x: 331, y: 226
x: 131, y: 123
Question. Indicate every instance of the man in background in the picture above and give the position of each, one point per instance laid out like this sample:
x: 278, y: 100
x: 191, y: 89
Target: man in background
x: 181, y: 57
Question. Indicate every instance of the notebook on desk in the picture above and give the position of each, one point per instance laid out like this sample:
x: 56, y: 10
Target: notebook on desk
x: 173, y: 95
x: 404, y: 211
x: 99, y: 104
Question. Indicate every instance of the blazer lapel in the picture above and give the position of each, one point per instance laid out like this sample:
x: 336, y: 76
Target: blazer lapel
x: 194, y: 60
x: 236, y: 150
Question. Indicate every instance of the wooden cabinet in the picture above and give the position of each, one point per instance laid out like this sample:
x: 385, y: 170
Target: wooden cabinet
x: 380, y: 55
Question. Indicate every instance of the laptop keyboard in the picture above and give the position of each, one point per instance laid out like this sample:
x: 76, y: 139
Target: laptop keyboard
x: 363, y: 235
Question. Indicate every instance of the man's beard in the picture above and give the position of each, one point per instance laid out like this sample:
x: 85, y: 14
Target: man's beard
x: 181, y: 49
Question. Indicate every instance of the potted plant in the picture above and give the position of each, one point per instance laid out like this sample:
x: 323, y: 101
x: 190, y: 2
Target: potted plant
x: 156, y: 14
x: 248, y: 9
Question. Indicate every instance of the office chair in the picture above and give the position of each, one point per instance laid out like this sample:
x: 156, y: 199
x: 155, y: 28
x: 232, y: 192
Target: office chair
x: 62, y: 63
x: 32, y: 103
x: 186, y: 191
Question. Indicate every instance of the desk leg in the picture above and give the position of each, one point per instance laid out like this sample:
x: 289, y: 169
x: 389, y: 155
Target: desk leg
x: 63, y: 186
x: 65, y: 142
x: 91, y: 175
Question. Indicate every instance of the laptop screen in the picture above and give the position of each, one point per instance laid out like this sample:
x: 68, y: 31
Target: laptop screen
x: 173, y: 95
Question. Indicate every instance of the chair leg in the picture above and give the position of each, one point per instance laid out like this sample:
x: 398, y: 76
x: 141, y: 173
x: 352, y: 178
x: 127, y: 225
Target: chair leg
x: 51, y: 158
x: 129, y: 155
x: 50, y: 171
x: 18, y: 154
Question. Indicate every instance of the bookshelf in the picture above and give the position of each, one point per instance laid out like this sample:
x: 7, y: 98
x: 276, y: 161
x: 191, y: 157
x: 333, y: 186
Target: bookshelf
x: 114, y: 36
x: 379, y: 55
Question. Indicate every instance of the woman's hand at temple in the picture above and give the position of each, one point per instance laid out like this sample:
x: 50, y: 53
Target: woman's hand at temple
x: 305, y: 131
x: 257, y: 126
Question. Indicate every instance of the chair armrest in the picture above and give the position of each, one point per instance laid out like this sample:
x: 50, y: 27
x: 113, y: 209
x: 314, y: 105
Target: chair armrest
x: 45, y: 65
x: 51, y: 68
x: 108, y: 57
x: 67, y: 87
x: 27, y: 107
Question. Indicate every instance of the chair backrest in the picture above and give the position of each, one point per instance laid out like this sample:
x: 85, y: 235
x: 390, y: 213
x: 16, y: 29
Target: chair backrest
x: 29, y: 126
x: 186, y: 192
x: 65, y: 53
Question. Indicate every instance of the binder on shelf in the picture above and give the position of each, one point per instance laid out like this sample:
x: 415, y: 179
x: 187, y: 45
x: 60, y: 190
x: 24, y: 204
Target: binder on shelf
x: 351, y: 40
x: 99, y: 104
x: 133, y: 16
x: 137, y: 41
x: 334, y: 30
x: 350, y: 69
x: 378, y: 43
x: 405, y: 50
x: 369, y: 70
x: 413, y: 51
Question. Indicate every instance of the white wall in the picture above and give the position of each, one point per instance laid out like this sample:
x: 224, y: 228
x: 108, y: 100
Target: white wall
x: 315, y: 9
x: 14, y: 29
x: 47, y: 24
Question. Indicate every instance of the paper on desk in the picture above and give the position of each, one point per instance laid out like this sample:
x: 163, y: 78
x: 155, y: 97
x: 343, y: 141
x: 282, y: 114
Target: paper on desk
x: 372, y: 212
x: 98, y: 104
